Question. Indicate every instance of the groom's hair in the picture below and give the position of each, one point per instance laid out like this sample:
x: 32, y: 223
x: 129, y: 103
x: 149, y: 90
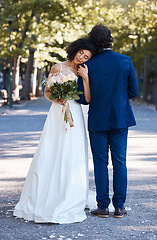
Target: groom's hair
x: 101, y: 37
x: 82, y: 43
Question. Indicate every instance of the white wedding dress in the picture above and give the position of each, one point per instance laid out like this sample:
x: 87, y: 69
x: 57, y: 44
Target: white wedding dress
x: 56, y: 187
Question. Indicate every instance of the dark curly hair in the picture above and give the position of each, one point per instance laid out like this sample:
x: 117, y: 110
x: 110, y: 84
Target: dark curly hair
x: 101, y: 37
x: 82, y: 43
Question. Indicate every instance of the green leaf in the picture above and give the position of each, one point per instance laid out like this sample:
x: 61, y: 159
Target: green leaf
x: 65, y: 117
x: 52, y: 97
x: 79, y: 92
x: 76, y: 97
x: 71, y: 116
x: 63, y: 95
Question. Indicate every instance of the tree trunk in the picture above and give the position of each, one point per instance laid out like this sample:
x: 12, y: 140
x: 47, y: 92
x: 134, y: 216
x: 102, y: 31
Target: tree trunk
x: 155, y: 83
x: 27, y: 81
x: 16, y: 74
x: 145, y: 80
x: 34, y: 84
x: 155, y: 93
x: 15, y: 79
x: 138, y: 64
x: 6, y: 79
x: 138, y: 79
x: 39, y: 86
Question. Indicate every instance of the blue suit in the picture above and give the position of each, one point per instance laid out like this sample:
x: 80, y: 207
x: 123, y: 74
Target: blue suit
x: 112, y: 83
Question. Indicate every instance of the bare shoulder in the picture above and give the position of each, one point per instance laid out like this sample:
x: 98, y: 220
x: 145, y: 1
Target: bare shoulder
x: 56, y: 68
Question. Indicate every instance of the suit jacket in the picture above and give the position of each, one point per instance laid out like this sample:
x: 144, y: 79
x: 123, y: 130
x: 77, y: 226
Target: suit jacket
x: 112, y: 83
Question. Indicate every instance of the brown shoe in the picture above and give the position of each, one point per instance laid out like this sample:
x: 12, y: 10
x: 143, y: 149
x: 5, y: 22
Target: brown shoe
x: 119, y: 213
x: 101, y: 212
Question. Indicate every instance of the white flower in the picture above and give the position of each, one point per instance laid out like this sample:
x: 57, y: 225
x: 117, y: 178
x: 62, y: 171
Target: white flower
x: 72, y: 77
x: 51, y: 81
x: 65, y: 78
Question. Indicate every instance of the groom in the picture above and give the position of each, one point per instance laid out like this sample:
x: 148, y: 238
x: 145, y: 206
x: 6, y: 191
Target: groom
x: 112, y: 83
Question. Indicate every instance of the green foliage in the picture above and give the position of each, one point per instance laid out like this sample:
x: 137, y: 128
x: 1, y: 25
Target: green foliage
x: 66, y: 90
x: 32, y: 25
x: 49, y: 25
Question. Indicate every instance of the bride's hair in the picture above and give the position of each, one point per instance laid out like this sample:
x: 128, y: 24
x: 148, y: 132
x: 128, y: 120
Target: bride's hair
x: 101, y: 37
x: 82, y: 43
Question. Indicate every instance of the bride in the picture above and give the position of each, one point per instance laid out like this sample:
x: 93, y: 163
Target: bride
x: 56, y: 187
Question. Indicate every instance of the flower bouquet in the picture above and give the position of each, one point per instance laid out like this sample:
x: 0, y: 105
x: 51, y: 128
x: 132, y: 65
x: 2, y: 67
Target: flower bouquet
x: 64, y: 86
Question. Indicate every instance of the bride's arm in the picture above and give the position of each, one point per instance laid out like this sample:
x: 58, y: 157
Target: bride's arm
x: 47, y: 93
x: 83, y: 72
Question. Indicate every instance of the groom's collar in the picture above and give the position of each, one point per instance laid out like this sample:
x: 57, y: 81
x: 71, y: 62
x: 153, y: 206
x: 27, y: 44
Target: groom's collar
x: 107, y: 49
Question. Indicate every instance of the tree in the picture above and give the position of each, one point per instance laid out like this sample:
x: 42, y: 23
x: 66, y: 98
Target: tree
x: 24, y: 25
x: 55, y: 23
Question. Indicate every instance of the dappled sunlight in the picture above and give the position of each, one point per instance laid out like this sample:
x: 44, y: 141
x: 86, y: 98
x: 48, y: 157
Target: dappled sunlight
x: 22, y: 123
x: 19, y: 143
x: 28, y: 112
x: 144, y: 145
x: 7, y: 184
x: 16, y: 145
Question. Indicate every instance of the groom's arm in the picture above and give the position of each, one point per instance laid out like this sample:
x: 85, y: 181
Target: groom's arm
x: 132, y: 82
x: 80, y: 88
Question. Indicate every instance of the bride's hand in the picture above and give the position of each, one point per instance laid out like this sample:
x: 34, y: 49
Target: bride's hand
x: 61, y: 102
x: 83, y: 71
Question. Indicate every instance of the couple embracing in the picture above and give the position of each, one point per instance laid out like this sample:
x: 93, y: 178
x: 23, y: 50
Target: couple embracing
x: 56, y: 187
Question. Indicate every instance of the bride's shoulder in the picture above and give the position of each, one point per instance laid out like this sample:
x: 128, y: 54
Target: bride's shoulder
x: 56, y: 68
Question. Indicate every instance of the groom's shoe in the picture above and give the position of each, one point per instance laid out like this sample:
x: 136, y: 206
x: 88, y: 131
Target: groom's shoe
x: 119, y: 213
x: 101, y: 212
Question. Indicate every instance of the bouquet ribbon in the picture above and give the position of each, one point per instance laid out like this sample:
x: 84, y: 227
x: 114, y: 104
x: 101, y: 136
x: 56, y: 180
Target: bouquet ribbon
x: 67, y: 115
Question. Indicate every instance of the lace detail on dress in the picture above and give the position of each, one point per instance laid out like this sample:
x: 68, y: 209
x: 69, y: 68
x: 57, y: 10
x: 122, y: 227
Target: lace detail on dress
x: 63, y: 71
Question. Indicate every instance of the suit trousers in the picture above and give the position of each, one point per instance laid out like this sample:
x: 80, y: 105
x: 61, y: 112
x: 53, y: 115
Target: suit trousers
x: 100, y: 142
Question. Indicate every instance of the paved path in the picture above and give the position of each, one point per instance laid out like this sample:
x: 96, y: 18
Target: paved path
x: 20, y: 130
